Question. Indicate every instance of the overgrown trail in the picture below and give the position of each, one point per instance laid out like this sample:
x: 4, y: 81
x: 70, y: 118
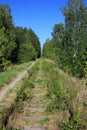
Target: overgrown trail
x: 34, y: 115
x: 13, y: 83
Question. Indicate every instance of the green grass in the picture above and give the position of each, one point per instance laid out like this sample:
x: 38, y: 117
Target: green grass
x: 65, y: 94
x: 7, y: 76
x: 44, y: 121
x: 23, y: 92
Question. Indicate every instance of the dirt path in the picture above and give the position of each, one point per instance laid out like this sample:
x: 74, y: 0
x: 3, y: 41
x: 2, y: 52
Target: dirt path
x: 15, y: 81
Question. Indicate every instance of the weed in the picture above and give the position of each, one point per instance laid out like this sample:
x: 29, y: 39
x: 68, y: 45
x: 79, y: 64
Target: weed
x: 62, y: 94
x: 7, y: 76
x: 44, y: 121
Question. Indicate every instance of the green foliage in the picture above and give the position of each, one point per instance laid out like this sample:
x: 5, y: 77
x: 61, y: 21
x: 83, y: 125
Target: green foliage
x: 2, y: 127
x: 28, y: 83
x: 74, y: 123
x: 24, y: 93
x: 33, y: 70
x: 68, y: 45
x: 85, y: 71
x: 21, y: 94
x: 62, y: 95
x: 50, y: 50
x: 50, y: 106
x: 28, y: 45
x: 5, y: 65
x: 35, y: 42
x: 59, y: 88
x: 24, y: 50
x: 26, y: 53
x: 7, y: 27
x: 11, y: 72
x: 7, y: 36
x: 75, y: 25
x: 2, y: 113
x: 17, y: 44
x: 44, y: 121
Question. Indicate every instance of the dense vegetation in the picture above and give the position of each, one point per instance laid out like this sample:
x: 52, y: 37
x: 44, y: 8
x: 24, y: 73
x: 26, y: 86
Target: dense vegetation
x: 65, y: 97
x: 7, y: 76
x: 17, y: 44
x: 20, y: 93
x: 68, y: 46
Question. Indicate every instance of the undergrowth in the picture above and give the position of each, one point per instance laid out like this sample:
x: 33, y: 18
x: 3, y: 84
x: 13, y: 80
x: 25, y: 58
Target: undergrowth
x: 25, y: 92
x: 64, y: 97
x: 11, y: 73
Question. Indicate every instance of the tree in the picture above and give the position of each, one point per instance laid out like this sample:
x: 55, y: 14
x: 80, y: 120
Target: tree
x: 7, y: 36
x: 26, y: 53
x: 50, y: 50
x: 76, y: 30
x: 35, y: 42
x: 70, y: 39
x: 17, y: 44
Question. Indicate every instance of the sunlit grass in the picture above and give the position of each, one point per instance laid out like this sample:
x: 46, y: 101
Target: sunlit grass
x: 43, y: 121
x: 65, y: 94
x: 6, y: 77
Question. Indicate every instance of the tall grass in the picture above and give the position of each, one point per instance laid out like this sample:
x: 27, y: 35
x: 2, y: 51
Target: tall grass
x: 24, y: 95
x: 66, y: 97
x: 7, y: 76
x: 24, y: 92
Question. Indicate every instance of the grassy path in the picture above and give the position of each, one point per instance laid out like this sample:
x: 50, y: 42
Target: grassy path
x: 13, y: 83
x: 8, y: 95
x: 12, y: 72
x: 34, y: 115
x: 49, y: 100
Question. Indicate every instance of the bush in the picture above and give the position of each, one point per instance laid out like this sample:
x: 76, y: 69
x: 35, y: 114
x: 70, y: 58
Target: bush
x: 27, y: 53
x: 5, y: 65
x: 74, y: 123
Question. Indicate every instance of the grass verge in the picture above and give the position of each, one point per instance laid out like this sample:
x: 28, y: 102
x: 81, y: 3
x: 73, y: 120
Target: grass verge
x: 7, y: 76
x: 66, y: 97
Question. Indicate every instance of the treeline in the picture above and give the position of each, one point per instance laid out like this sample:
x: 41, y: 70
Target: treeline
x: 17, y: 44
x: 68, y: 46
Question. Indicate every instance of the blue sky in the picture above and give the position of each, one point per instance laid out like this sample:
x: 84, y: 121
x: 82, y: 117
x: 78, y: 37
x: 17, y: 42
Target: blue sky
x: 40, y: 15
